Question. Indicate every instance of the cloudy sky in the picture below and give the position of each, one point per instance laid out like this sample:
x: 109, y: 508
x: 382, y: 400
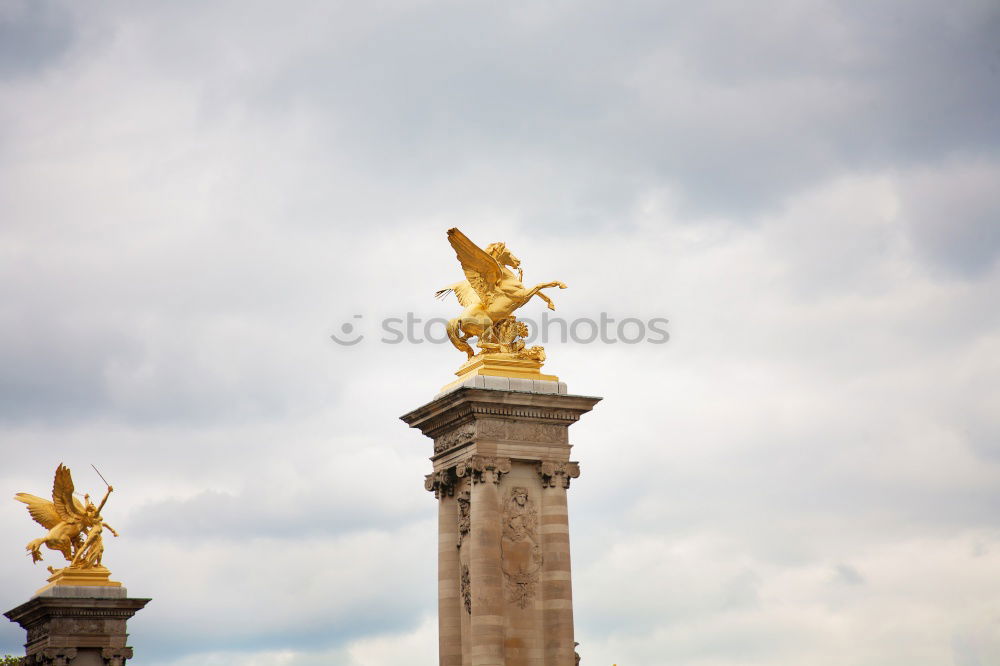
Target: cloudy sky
x: 195, y: 195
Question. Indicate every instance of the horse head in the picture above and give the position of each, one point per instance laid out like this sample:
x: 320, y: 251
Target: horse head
x: 503, y: 255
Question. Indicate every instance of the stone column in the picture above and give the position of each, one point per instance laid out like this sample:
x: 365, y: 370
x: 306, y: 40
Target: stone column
x: 77, y: 626
x: 449, y: 575
x: 557, y: 589
x: 463, y: 499
x: 485, y: 575
x: 507, y: 447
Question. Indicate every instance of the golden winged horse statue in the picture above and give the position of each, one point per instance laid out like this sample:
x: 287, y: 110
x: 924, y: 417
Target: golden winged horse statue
x: 490, y: 294
x: 74, y: 527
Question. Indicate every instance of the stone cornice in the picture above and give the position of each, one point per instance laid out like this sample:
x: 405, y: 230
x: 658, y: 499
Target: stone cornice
x: 41, y: 607
x: 466, y: 404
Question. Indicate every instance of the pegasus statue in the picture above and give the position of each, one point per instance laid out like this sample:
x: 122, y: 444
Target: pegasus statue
x: 490, y: 294
x: 74, y: 527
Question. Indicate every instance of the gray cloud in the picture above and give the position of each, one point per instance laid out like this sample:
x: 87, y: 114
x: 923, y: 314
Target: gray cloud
x: 33, y: 36
x: 733, y: 112
x: 848, y: 575
x: 954, y: 218
x: 203, y: 192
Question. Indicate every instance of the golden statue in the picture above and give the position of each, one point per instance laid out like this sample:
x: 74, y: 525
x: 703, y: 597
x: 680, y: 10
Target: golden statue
x: 75, y: 530
x: 490, y: 294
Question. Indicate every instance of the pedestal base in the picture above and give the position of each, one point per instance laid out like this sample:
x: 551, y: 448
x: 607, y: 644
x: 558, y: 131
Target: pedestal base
x: 74, y: 630
x: 500, y: 365
x: 70, y: 577
x: 501, y: 471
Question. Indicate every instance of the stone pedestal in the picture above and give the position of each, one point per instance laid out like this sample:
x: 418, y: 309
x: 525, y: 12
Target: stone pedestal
x: 77, y: 626
x: 501, y: 471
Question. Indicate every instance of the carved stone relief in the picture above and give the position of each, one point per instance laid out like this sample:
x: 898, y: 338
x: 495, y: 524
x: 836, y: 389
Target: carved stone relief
x: 38, y: 632
x: 466, y: 589
x: 483, y: 469
x: 457, y: 437
x: 464, y: 516
x: 521, y: 556
x: 558, y: 473
x: 74, y: 626
x: 492, y: 428
x: 537, y: 432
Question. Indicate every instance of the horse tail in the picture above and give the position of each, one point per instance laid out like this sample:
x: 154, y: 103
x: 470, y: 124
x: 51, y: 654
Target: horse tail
x: 452, y: 328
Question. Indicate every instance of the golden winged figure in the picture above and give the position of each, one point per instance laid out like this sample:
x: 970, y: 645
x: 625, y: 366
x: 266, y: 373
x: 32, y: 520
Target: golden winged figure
x: 490, y: 294
x: 75, y: 528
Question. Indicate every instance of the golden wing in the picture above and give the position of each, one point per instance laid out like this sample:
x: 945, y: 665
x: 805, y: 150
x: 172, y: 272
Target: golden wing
x: 68, y: 508
x: 42, y: 511
x: 482, y: 270
x: 464, y: 292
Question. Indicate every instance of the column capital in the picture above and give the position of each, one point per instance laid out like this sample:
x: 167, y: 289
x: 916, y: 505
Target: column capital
x: 441, y: 483
x: 555, y: 473
x: 51, y: 657
x: 483, y: 469
x: 116, y: 656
